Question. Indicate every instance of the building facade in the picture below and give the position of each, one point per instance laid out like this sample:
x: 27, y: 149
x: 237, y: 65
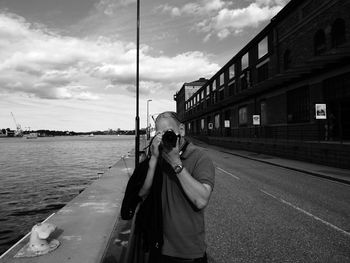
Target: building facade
x: 269, y: 90
x: 187, y: 90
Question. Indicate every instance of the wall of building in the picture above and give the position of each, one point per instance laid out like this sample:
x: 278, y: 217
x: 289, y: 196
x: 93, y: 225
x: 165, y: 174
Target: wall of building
x: 283, y: 89
x: 337, y: 155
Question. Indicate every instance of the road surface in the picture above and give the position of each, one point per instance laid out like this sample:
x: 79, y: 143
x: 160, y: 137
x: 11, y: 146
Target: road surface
x: 263, y: 213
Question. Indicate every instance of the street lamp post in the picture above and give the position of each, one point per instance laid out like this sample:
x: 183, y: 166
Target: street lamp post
x: 137, y: 119
x: 148, y: 128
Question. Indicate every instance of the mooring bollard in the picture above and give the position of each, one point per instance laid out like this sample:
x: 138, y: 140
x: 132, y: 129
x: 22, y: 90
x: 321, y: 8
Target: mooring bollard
x: 39, y: 244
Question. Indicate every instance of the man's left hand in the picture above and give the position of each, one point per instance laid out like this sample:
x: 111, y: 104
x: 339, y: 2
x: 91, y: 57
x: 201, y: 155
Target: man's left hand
x: 172, y: 156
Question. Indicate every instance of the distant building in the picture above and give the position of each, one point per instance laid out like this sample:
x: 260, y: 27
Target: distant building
x: 300, y: 59
x: 10, y: 133
x: 187, y: 90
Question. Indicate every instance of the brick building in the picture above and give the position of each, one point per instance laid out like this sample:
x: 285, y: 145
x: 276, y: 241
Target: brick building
x: 300, y: 59
x: 183, y: 95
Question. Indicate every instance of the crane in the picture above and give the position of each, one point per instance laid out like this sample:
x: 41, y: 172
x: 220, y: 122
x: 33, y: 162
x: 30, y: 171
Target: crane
x: 19, y: 131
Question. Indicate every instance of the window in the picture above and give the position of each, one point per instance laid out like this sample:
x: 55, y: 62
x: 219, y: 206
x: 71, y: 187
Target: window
x: 214, y: 84
x: 208, y: 90
x: 244, y: 82
x: 198, y: 97
x: 217, y: 121
x: 338, y: 32
x: 298, y: 105
x: 319, y: 42
x: 222, y: 79
x: 242, y: 115
x: 202, y: 124
x: 244, y: 61
x: 231, y: 87
x: 231, y: 71
x: 287, y: 59
x: 337, y: 87
x: 202, y: 95
x: 227, y: 123
x: 221, y: 94
x: 214, y: 97
x: 263, y: 116
x: 262, y: 48
x: 208, y: 101
x: 263, y: 72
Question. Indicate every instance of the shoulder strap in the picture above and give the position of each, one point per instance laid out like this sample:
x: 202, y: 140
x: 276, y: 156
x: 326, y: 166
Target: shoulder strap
x: 184, y: 147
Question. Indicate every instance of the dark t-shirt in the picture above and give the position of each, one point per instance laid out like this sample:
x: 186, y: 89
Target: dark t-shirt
x: 184, y: 229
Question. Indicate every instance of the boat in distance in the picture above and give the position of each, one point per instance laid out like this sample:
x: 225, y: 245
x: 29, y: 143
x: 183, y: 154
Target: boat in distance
x: 32, y: 135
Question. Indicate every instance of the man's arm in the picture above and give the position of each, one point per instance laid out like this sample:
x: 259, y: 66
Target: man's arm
x: 149, y: 178
x: 151, y: 166
x: 199, y: 193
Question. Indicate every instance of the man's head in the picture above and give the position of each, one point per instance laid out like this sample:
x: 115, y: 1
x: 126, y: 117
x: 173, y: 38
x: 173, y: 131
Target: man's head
x: 168, y: 120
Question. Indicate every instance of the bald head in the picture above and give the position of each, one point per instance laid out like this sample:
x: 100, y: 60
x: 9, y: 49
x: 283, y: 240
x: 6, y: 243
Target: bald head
x: 169, y: 120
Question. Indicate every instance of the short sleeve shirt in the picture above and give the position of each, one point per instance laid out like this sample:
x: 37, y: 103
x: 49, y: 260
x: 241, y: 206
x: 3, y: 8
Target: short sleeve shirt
x: 183, y: 223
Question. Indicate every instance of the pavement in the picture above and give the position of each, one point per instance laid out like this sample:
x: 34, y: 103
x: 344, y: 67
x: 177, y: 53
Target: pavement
x: 322, y: 171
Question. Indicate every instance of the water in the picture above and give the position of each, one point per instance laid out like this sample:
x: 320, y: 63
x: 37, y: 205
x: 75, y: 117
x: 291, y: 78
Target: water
x: 39, y: 176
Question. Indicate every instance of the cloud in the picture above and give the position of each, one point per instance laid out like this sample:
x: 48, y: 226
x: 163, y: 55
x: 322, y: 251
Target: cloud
x: 36, y: 62
x: 235, y: 20
x: 198, y: 8
x: 109, y: 7
x: 216, y: 17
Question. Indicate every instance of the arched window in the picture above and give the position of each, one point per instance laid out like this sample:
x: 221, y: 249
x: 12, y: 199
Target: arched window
x: 338, y: 32
x: 319, y: 42
x: 287, y: 59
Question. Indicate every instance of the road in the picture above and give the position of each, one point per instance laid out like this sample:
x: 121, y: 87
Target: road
x: 264, y: 213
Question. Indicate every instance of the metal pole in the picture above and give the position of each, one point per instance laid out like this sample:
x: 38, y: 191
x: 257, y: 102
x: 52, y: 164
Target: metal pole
x: 147, y: 129
x: 137, y: 119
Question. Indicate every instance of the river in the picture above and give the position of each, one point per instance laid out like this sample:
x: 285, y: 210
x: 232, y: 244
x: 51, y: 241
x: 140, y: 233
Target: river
x: 39, y: 176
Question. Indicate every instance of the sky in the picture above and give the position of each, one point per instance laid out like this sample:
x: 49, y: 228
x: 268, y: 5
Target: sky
x: 71, y: 64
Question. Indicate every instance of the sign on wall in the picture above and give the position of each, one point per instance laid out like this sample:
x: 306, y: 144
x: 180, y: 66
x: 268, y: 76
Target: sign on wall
x: 210, y: 125
x: 256, y: 119
x: 321, y: 111
x: 227, y: 123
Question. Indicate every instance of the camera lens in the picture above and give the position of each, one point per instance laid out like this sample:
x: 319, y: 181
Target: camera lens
x: 169, y: 139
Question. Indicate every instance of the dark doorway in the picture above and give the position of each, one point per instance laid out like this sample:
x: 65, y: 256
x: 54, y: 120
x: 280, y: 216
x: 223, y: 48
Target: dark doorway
x: 337, y: 97
x: 345, y: 118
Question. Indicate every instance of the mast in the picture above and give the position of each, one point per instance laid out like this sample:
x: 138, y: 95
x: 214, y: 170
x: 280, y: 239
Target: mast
x: 18, y: 126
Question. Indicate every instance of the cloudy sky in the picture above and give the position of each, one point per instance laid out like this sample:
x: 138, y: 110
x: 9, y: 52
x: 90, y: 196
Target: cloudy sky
x: 70, y: 64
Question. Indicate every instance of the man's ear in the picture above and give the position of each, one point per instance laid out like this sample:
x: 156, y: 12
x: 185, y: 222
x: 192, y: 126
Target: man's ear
x: 182, y: 129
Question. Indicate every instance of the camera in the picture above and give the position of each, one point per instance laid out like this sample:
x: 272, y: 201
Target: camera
x: 169, y: 139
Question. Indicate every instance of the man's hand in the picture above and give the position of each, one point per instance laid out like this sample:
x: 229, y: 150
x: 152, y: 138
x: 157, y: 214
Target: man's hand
x: 172, y: 156
x: 155, y: 145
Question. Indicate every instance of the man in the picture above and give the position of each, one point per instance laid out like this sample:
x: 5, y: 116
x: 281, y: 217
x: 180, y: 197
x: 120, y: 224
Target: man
x: 188, y: 177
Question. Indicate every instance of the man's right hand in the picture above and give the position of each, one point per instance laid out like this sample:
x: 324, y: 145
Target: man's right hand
x: 155, y: 145
x: 154, y: 148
